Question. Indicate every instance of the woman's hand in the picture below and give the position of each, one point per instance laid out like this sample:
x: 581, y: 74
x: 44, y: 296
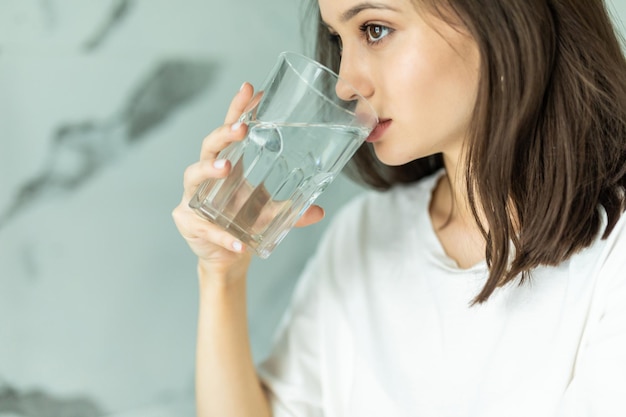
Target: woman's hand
x: 219, y: 253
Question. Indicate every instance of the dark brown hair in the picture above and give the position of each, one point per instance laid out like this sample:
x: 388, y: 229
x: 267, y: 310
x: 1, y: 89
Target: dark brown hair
x: 547, y: 147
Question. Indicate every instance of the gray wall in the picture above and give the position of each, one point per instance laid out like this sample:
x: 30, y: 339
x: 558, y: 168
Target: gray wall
x: 103, y: 103
x: 102, y: 106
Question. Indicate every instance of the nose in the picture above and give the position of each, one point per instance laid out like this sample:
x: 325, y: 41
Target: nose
x: 353, y: 76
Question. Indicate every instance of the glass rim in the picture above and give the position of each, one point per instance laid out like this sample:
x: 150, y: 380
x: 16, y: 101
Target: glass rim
x: 286, y: 55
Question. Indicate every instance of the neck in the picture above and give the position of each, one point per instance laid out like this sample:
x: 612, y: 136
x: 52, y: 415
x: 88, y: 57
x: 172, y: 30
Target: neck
x: 452, y: 217
x: 453, y: 193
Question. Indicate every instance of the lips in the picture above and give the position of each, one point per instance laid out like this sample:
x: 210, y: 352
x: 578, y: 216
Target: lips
x: 379, y: 130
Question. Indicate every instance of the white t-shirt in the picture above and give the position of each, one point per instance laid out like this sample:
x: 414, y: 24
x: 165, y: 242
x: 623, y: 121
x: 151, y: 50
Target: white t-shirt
x: 380, y: 325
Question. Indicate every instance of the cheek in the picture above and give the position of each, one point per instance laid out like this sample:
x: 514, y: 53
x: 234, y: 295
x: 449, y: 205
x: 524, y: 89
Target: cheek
x: 433, y: 94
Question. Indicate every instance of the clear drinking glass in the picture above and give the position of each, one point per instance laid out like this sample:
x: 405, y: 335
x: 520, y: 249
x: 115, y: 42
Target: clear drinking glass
x: 300, y: 136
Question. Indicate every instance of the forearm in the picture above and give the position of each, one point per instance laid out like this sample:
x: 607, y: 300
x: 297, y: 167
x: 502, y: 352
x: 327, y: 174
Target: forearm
x: 226, y: 380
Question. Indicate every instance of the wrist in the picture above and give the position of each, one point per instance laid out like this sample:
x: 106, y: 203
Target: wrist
x: 222, y: 275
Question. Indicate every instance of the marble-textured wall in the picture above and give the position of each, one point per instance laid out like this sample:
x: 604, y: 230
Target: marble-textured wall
x: 103, y: 103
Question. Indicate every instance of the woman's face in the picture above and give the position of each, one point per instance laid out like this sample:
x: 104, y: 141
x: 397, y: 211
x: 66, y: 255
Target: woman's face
x: 419, y: 73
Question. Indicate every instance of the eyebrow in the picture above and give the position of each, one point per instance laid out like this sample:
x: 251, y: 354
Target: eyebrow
x: 355, y: 10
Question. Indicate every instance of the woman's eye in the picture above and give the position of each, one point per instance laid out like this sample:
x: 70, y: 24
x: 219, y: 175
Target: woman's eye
x: 375, y: 33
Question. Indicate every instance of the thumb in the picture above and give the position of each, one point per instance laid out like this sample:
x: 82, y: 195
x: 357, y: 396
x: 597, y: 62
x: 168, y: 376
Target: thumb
x: 313, y: 215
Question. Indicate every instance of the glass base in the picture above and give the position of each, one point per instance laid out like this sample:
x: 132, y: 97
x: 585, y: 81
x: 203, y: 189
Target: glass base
x: 256, y: 243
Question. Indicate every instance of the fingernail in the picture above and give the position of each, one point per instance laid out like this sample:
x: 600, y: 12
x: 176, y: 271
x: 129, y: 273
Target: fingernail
x: 242, y: 86
x: 237, y: 246
x: 235, y: 126
x: 219, y: 164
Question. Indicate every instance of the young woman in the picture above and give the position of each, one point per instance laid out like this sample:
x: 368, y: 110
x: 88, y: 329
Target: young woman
x: 486, y: 276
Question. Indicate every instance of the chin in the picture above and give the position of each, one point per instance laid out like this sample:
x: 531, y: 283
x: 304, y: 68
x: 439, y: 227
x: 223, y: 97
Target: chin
x: 391, y: 157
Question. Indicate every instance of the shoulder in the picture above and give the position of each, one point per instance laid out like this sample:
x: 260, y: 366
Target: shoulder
x: 602, y: 266
x: 380, y: 209
x: 610, y: 249
x: 373, y: 232
x: 373, y: 215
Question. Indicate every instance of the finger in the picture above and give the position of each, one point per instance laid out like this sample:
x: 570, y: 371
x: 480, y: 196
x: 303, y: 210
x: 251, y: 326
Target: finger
x: 201, y: 171
x: 239, y: 103
x: 202, y: 235
x: 313, y: 215
x: 220, y: 138
x: 211, y: 236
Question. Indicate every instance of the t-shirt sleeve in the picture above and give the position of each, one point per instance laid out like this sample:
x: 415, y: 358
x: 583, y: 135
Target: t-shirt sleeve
x: 295, y: 374
x: 598, y: 386
x: 291, y: 374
